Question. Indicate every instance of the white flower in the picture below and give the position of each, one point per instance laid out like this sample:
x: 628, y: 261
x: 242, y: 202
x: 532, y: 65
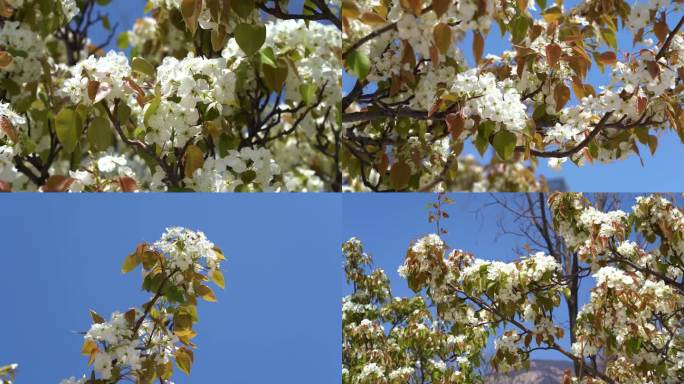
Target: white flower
x: 109, y: 163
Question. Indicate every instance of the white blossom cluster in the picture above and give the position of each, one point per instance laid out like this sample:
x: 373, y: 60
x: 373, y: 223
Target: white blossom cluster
x: 109, y: 71
x: 27, y: 49
x: 187, y: 250
x: 226, y: 174
x: 640, y: 13
x: 497, y: 101
x: 122, y: 344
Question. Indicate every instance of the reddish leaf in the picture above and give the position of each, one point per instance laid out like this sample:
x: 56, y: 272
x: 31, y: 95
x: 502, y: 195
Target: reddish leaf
x: 5, y: 186
x: 456, y: 124
x: 553, y: 53
x: 58, y: 183
x: 8, y: 129
x: 127, y: 184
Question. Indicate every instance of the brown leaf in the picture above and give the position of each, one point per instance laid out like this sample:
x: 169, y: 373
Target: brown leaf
x: 442, y: 36
x: 607, y: 58
x: 5, y: 9
x: 434, y: 56
x: 553, y: 53
x: 400, y: 175
x: 5, y: 59
x: 440, y: 7
x: 653, y: 69
x: 381, y: 163
x: 372, y: 19
x: 8, y: 129
x: 456, y: 124
x: 93, y: 86
x: 5, y: 186
x: 660, y: 29
x: 561, y: 95
x: 58, y: 183
x: 478, y: 46
x: 127, y: 184
x: 395, y: 86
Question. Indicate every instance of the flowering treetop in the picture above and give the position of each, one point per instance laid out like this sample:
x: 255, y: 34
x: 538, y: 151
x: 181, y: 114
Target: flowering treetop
x: 215, y: 96
x: 7, y: 373
x: 408, y: 130
x: 628, y: 331
x: 141, y: 344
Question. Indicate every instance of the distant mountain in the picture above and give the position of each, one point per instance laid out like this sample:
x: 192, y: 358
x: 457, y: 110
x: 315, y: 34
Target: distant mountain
x: 541, y: 372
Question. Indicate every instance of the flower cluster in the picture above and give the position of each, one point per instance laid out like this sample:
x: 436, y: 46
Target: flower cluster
x: 142, y: 343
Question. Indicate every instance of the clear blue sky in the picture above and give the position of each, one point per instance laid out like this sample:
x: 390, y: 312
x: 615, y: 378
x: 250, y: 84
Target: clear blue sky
x: 387, y: 223
x: 277, y: 321
x: 628, y: 175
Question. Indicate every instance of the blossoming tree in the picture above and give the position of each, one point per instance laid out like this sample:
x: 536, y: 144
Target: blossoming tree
x: 629, y: 329
x: 7, y: 373
x: 417, y: 101
x: 141, y: 344
x: 216, y: 95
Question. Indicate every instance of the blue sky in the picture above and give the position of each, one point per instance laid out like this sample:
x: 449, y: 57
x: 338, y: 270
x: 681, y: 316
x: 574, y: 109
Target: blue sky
x: 387, y: 223
x: 277, y: 321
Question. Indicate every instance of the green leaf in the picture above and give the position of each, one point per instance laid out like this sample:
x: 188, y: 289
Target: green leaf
x: 152, y: 109
x: 504, y: 144
x: 131, y: 262
x: 250, y: 37
x: 518, y: 28
x: 275, y: 77
x: 308, y: 92
x: 100, y: 134
x: 143, y: 66
x: 359, y: 64
x: 184, y: 360
x: 243, y: 8
x: 68, y: 125
x: 268, y: 57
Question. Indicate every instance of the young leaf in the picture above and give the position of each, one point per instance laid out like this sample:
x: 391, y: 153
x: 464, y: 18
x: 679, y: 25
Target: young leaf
x: 100, y: 134
x: 250, y: 37
x: 359, y: 64
x: 400, y: 174
x: 217, y: 277
x: 143, y: 66
x: 504, y: 144
x: 68, y: 126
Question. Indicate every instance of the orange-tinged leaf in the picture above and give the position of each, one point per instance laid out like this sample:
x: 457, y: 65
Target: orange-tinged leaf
x: 442, y: 36
x: 206, y: 293
x: 372, y: 18
x: 127, y: 184
x: 89, y: 346
x: 478, y: 46
x: 607, y: 58
x: 5, y: 59
x: 194, y: 160
x: 561, y: 95
x: 440, y: 7
x: 8, y: 129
